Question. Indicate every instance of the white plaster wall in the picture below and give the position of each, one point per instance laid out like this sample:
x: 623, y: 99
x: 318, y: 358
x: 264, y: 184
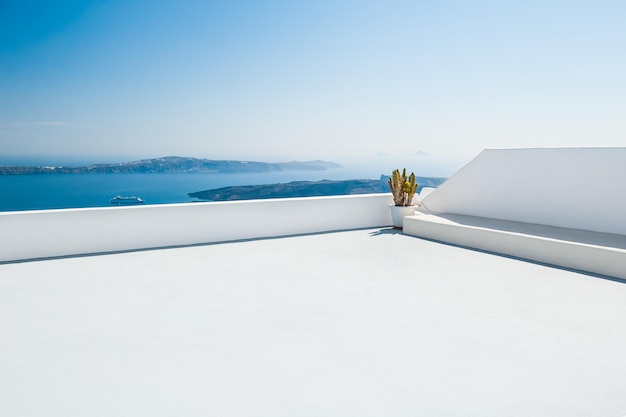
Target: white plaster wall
x: 46, y: 233
x: 579, y: 188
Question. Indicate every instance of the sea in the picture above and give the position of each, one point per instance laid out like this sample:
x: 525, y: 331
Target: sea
x: 60, y: 191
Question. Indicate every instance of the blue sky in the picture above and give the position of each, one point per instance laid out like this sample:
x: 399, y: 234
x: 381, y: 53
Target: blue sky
x: 422, y: 82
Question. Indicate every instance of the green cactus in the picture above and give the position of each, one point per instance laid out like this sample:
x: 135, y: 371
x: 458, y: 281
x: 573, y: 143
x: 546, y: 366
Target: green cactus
x: 402, y: 188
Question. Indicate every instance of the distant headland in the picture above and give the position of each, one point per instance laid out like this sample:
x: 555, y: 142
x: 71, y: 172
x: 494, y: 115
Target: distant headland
x: 171, y: 165
x: 305, y: 189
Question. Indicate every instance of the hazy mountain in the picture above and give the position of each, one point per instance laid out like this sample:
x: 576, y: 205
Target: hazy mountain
x: 305, y: 189
x: 175, y: 164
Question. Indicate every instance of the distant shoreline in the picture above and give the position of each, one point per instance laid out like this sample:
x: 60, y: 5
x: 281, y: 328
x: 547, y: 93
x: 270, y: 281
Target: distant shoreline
x: 305, y: 189
x: 172, y: 165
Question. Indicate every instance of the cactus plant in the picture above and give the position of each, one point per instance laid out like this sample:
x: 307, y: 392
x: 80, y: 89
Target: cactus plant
x: 402, y: 188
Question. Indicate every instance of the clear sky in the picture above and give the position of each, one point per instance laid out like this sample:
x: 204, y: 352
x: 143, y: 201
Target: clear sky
x: 427, y: 81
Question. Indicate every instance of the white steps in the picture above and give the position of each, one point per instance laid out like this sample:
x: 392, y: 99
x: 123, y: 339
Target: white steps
x: 594, y: 252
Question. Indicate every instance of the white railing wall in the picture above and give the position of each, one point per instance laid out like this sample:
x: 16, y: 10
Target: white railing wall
x: 51, y: 233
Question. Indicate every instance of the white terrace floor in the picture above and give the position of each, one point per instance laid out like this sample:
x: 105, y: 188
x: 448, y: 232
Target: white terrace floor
x: 359, y: 323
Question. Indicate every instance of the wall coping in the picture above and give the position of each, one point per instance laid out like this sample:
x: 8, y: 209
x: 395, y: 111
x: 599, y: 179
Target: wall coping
x: 51, y: 233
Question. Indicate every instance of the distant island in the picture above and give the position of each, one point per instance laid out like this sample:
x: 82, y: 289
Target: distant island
x: 173, y: 164
x: 305, y: 189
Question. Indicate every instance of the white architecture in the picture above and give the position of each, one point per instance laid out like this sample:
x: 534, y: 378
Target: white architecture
x: 576, y: 188
x: 316, y: 306
x: 368, y: 322
x: 49, y: 233
x: 563, y: 207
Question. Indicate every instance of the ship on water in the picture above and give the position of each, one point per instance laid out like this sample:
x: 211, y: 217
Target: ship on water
x: 126, y: 201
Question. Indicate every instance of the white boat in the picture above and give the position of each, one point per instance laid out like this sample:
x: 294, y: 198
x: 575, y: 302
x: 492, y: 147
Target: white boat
x: 126, y: 201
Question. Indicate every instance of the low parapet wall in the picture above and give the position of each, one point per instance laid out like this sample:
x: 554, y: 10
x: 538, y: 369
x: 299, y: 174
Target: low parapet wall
x: 51, y: 233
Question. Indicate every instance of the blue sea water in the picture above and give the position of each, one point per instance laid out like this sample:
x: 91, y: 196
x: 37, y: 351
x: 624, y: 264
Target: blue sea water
x: 54, y: 191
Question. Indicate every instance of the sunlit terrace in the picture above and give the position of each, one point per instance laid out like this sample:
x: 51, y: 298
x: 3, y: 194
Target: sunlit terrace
x: 312, y: 306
